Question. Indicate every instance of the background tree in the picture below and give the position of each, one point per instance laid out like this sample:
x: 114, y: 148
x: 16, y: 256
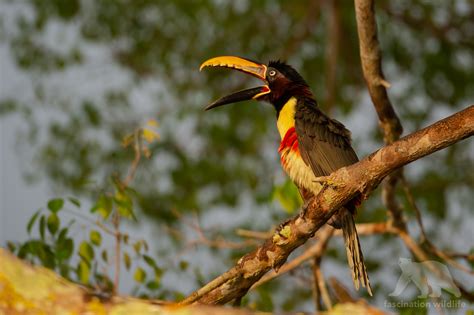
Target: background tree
x: 95, y: 71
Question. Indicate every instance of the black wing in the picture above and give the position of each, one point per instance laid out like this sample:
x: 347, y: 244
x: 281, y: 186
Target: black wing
x: 324, y: 143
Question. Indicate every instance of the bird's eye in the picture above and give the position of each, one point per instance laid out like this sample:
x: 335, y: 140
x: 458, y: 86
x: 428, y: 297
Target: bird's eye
x: 272, y: 73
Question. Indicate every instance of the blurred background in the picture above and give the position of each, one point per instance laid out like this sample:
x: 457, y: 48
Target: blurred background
x: 78, y: 78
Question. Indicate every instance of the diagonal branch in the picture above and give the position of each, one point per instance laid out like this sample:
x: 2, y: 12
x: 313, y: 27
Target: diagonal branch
x: 324, y: 235
x: 361, y: 177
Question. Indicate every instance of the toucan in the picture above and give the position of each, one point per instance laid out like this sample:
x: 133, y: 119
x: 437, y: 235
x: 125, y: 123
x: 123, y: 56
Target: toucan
x: 312, y: 144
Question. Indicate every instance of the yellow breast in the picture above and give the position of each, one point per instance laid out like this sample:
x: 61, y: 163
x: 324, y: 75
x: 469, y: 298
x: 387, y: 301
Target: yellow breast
x: 286, y: 119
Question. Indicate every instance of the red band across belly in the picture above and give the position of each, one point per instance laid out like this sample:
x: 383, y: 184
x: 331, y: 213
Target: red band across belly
x: 289, y: 141
x: 288, y: 144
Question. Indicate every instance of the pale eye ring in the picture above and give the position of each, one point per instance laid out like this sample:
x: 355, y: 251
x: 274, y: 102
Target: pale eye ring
x: 272, y: 73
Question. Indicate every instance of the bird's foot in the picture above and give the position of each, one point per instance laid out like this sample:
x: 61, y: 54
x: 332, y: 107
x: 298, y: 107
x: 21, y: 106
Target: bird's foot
x: 327, y: 181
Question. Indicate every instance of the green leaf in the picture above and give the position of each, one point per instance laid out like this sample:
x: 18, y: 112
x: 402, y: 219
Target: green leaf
x: 149, y: 261
x: 158, y: 273
x: 46, y: 255
x: 86, y: 251
x: 23, y: 251
x: 64, y: 270
x: 183, y: 265
x: 137, y: 246
x: 153, y: 285
x: 125, y: 238
x: 103, y: 206
x: 62, y: 235
x: 55, y: 204
x: 32, y: 221
x: 42, y: 226
x: 124, y: 204
x: 53, y: 223
x: 105, y: 256
x: 145, y: 245
x: 95, y: 237
x: 126, y: 260
x: 139, y: 275
x: 75, y: 201
x: 11, y: 246
x: 83, y: 272
x: 65, y: 249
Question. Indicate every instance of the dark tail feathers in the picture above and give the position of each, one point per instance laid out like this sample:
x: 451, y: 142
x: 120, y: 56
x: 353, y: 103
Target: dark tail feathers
x: 353, y: 250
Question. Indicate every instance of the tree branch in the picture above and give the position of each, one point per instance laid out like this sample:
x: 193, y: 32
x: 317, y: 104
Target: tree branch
x: 361, y: 177
x: 324, y: 234
x: 371, y: 59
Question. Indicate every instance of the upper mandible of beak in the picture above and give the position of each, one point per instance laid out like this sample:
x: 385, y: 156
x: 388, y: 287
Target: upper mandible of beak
x: 245, y: 65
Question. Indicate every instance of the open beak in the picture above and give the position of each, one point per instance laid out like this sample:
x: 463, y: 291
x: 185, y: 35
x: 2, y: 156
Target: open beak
x: 246, y: 66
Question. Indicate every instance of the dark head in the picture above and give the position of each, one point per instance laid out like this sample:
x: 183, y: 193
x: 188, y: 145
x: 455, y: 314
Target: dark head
x: 282, y: 81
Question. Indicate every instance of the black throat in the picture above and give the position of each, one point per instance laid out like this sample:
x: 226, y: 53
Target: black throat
x: 300, y: 93
x: 280, y: 102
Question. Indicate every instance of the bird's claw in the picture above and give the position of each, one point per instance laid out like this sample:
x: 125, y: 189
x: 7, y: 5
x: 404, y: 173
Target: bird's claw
x: 326, y: 181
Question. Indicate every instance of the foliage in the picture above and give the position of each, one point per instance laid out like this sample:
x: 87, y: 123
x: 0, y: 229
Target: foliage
x: 88, y: 260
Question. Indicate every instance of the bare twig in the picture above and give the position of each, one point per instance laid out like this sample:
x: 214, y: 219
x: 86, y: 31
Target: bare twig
x: 372, y: 228
x: 340, y: 291
x: 136, y: 160
x: 389, y: 200
x: 424, y: 239
x: 319, y: 282
x: 253, y: 234
x: 116, y: 216
x: 316, y: 291
x: 317, y: 295
x: 468, y: 257
x: 218, y: 242
x: 412, y: 202
x: 116, y: 224
x: 222, y: 243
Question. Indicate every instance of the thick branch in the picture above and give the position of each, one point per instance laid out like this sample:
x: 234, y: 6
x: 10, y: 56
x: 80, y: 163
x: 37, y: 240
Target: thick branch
x: 315, y: 250
x: 371, y: 60
x: 361, y: 177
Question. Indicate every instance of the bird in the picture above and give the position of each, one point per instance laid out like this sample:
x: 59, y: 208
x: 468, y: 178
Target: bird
x: 312, y: 146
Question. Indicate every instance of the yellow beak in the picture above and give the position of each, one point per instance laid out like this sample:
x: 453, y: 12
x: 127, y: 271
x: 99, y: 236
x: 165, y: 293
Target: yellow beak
x: 241, y: 64
x: 245, y: 65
